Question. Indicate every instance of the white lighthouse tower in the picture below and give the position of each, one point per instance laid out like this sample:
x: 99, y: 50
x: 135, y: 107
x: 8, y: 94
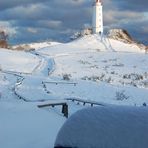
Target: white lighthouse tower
x: 97, y: 22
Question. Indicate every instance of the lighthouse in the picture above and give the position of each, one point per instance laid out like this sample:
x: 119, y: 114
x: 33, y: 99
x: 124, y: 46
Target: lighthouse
x: 97, y: 21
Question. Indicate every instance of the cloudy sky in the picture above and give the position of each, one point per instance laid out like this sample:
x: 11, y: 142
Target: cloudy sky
x: 37, y: 20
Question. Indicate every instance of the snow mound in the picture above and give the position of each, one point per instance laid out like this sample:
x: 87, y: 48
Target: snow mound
x: 106, y: 127
x: 103, y: 43
x: 90, y: 43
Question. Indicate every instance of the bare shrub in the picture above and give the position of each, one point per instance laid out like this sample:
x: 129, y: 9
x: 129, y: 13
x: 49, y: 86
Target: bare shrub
x: 66, y: 77
x: 24, y: 47
x: 3, y: 39
x: 121, y: 95
x: 3, y: 44
x: 146, y: 49
x: 144, y: 104
x: 109, y: 80
x: 145, y: 84
x: 94, y: 78
x: 133, y: 76
x: 118, y: 65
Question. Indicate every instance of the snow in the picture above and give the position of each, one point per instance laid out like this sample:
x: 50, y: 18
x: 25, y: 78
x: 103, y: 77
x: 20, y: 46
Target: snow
x: 106, y: 127
x: 90, y: 68
x: 79, y: 65
x: 88, y: 90
x: 32, y: 89
x: 24, y: 125
x: 17, y: 61
x: 42, y: 45
x: 123, y: 47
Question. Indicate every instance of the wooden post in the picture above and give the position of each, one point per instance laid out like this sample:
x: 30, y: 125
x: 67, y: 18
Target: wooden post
x: 65, y: 110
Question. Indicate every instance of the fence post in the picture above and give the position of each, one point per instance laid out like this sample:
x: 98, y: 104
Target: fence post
x: 65, y: 110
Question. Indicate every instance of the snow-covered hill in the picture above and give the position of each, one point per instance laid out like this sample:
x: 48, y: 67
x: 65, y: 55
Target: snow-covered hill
x: 91, y: 43
x: 91, y: 68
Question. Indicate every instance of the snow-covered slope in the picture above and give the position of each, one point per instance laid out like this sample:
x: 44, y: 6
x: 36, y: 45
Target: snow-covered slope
x: 16, y: 61
x: 123, y: 68
x: 123, y: 47
x: 105, y: 44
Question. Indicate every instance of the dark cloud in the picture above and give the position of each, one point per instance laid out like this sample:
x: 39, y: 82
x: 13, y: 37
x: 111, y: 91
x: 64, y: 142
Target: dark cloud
x: 8, y: 4
x: 34, y: 20
x: 140, y: 5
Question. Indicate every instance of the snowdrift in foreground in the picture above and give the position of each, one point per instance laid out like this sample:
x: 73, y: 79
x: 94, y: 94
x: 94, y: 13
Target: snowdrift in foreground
x: 106, y: 127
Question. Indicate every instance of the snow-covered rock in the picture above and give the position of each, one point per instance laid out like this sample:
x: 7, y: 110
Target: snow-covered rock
x: 123, y: 36
x: 106, y: 127
x: 84, y: 32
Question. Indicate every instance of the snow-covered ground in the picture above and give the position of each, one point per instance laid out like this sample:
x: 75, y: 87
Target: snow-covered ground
x: 24, y: 125
x: 16, y: 61
x: 101, y: 70
x: 43, y: 45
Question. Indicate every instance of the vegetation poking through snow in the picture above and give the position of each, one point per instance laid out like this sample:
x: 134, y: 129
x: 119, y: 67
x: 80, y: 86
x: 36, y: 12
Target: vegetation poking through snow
x: 66, y: 77
x: 3, y: 39
x: 120, y: 95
